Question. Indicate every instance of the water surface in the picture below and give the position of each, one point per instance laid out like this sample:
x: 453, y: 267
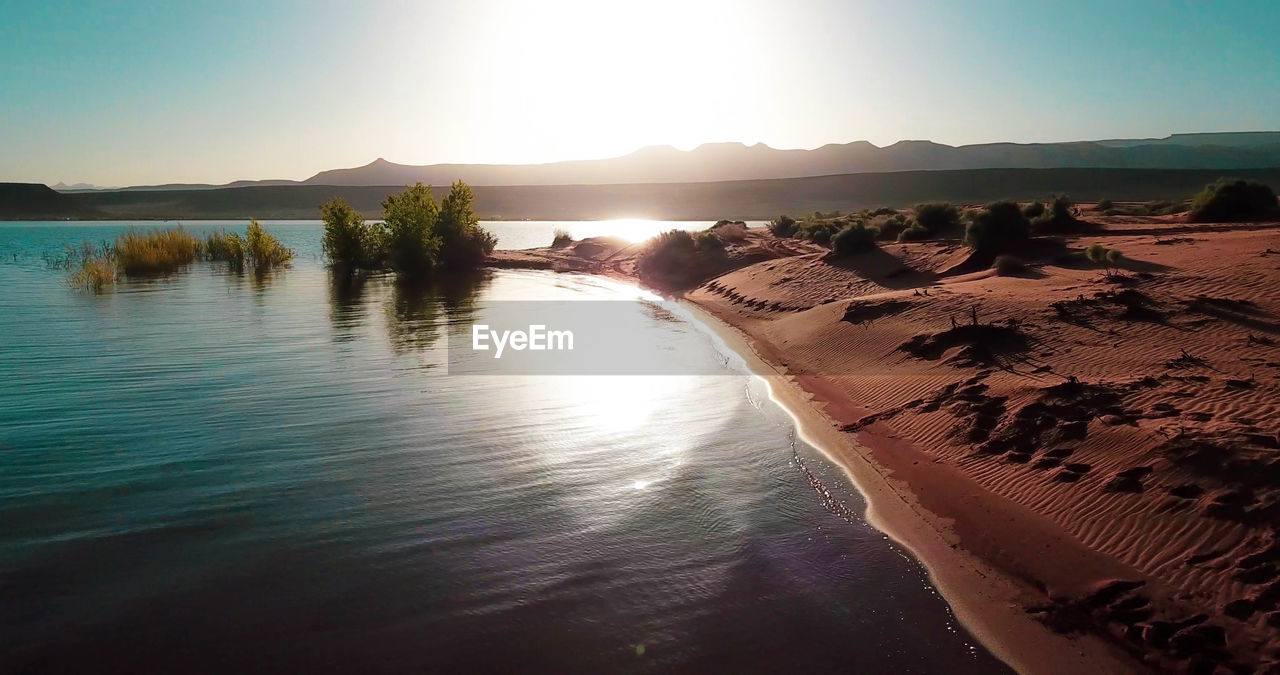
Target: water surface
x: 213, y: 472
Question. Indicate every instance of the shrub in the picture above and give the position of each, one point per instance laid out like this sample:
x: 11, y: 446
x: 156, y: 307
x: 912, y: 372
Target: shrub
x: 936, y: 217
x: 817, y: 230
x: 349, y: 242
x: 855, y: 238
x: 561, y: 238
x: 1230, y: 200
x: 708, y: 242
x: 263, y: 251
x: 412, y: 244
x: 783, y: 226
x: 915, y: 232
x: 882, y: 211
x: 463, y: 243
x: 1033, y: 210
x: 997, y: 228
x: 225, y: 247
x: 1009, y: 265
x: 1058, y: 219
x: 890, y: 226
x: 674, y: 258
x: 1105, y: 205
x: 730, y: 232
x: 1101, y: 255
x: 156, y: 252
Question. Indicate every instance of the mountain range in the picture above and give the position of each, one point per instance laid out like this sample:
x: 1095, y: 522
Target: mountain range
x: 737, y: 161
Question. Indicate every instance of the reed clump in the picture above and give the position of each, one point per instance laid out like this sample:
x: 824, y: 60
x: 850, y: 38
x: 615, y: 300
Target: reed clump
x: 140, y: 254
x: 91, y: 268
x: 227, y: 247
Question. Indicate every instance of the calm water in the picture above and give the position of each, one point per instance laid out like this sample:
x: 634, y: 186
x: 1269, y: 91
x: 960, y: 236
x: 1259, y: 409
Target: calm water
x: 213, y: 473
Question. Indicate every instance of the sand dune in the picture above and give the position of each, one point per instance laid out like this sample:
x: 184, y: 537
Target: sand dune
x: 1112, y: 444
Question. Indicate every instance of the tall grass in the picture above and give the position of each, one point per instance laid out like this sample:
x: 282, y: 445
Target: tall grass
x: 92, y: 268
x: 141, y: 254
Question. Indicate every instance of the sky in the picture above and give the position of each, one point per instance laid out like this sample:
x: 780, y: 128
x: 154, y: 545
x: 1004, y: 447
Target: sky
x: 131, y: 93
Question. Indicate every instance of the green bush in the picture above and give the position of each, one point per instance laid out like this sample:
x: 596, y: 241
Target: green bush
x: 1058, y: 219
x: 263, y: 251
x: 856, y: 238
x: 463, y: 243
x: 890, y: 226
x: 1232, y: 200
x: 1033, y: 210
x: 1101, y: 255
x: 1105, y: 205
x: 935, y: 217
x: 227, y: 247
x: 783, y: 226
x: 997, y: 228
x: 817, y: 230
x: 676, y: 259
x: 349, y: 242
x: 915, y: 232
x: 413, y: 246
x: 708, y: 242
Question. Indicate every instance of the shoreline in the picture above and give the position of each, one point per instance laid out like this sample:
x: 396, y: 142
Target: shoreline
x: 985, y: 600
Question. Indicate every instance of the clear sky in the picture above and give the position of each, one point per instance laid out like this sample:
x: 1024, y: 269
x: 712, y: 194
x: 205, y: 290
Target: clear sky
x: 137, y: 92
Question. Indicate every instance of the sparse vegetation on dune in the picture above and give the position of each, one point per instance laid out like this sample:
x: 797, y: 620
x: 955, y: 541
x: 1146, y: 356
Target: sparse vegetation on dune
x: 730, y: 231
x: 783, y: 226
x: 149, y: 253
x: 1228, y: 200
x: 1109, y: 258
x: 677, y: 259
x: 931, y: 219
x: 997, y: 228
x: 561, y: 238
x: 855, y: 238
x: 1058, y: 218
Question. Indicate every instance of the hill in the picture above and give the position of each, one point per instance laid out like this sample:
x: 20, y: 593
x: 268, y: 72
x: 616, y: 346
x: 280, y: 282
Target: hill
x: 750, y: 199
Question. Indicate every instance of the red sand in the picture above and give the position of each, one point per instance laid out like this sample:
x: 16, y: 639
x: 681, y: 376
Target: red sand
x: 1085, y: 431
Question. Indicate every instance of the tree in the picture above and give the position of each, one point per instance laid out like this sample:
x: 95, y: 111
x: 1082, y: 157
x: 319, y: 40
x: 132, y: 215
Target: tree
x: 412, y: 243
x: 463, y: 243
x: 347, y: 238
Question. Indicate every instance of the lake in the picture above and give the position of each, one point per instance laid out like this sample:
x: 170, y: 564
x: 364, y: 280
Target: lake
x: 213, y: 472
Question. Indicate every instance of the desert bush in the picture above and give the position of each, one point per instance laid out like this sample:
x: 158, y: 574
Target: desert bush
x: 1232, y: 200
x: 1009, y: 265
x: 817, y: 230
x: 1107, y: 257
x: 855, y: 238
x: 1033, y: 210
x: 934, y: 218
x: 730, y: 231
x: 915, y: 232
x: 149, y: 253
x: 783, y: 226
x: 225, y: 247
x: 1057, y: 219
x: 882, y: 211
x: 561, y: 238
x: 708, y: 242
x: 890, y: 226
x: 263, y: 251
x: 997, y: 228
x: 677, y: 259
x: 1105, y: 205
x: 1167, y: 208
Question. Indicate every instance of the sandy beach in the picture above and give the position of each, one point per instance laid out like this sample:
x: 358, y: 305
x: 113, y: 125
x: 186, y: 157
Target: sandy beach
x: 1081, y: 459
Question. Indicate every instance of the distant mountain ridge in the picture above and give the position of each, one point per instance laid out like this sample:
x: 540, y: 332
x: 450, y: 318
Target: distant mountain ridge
x: 737, y: 161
